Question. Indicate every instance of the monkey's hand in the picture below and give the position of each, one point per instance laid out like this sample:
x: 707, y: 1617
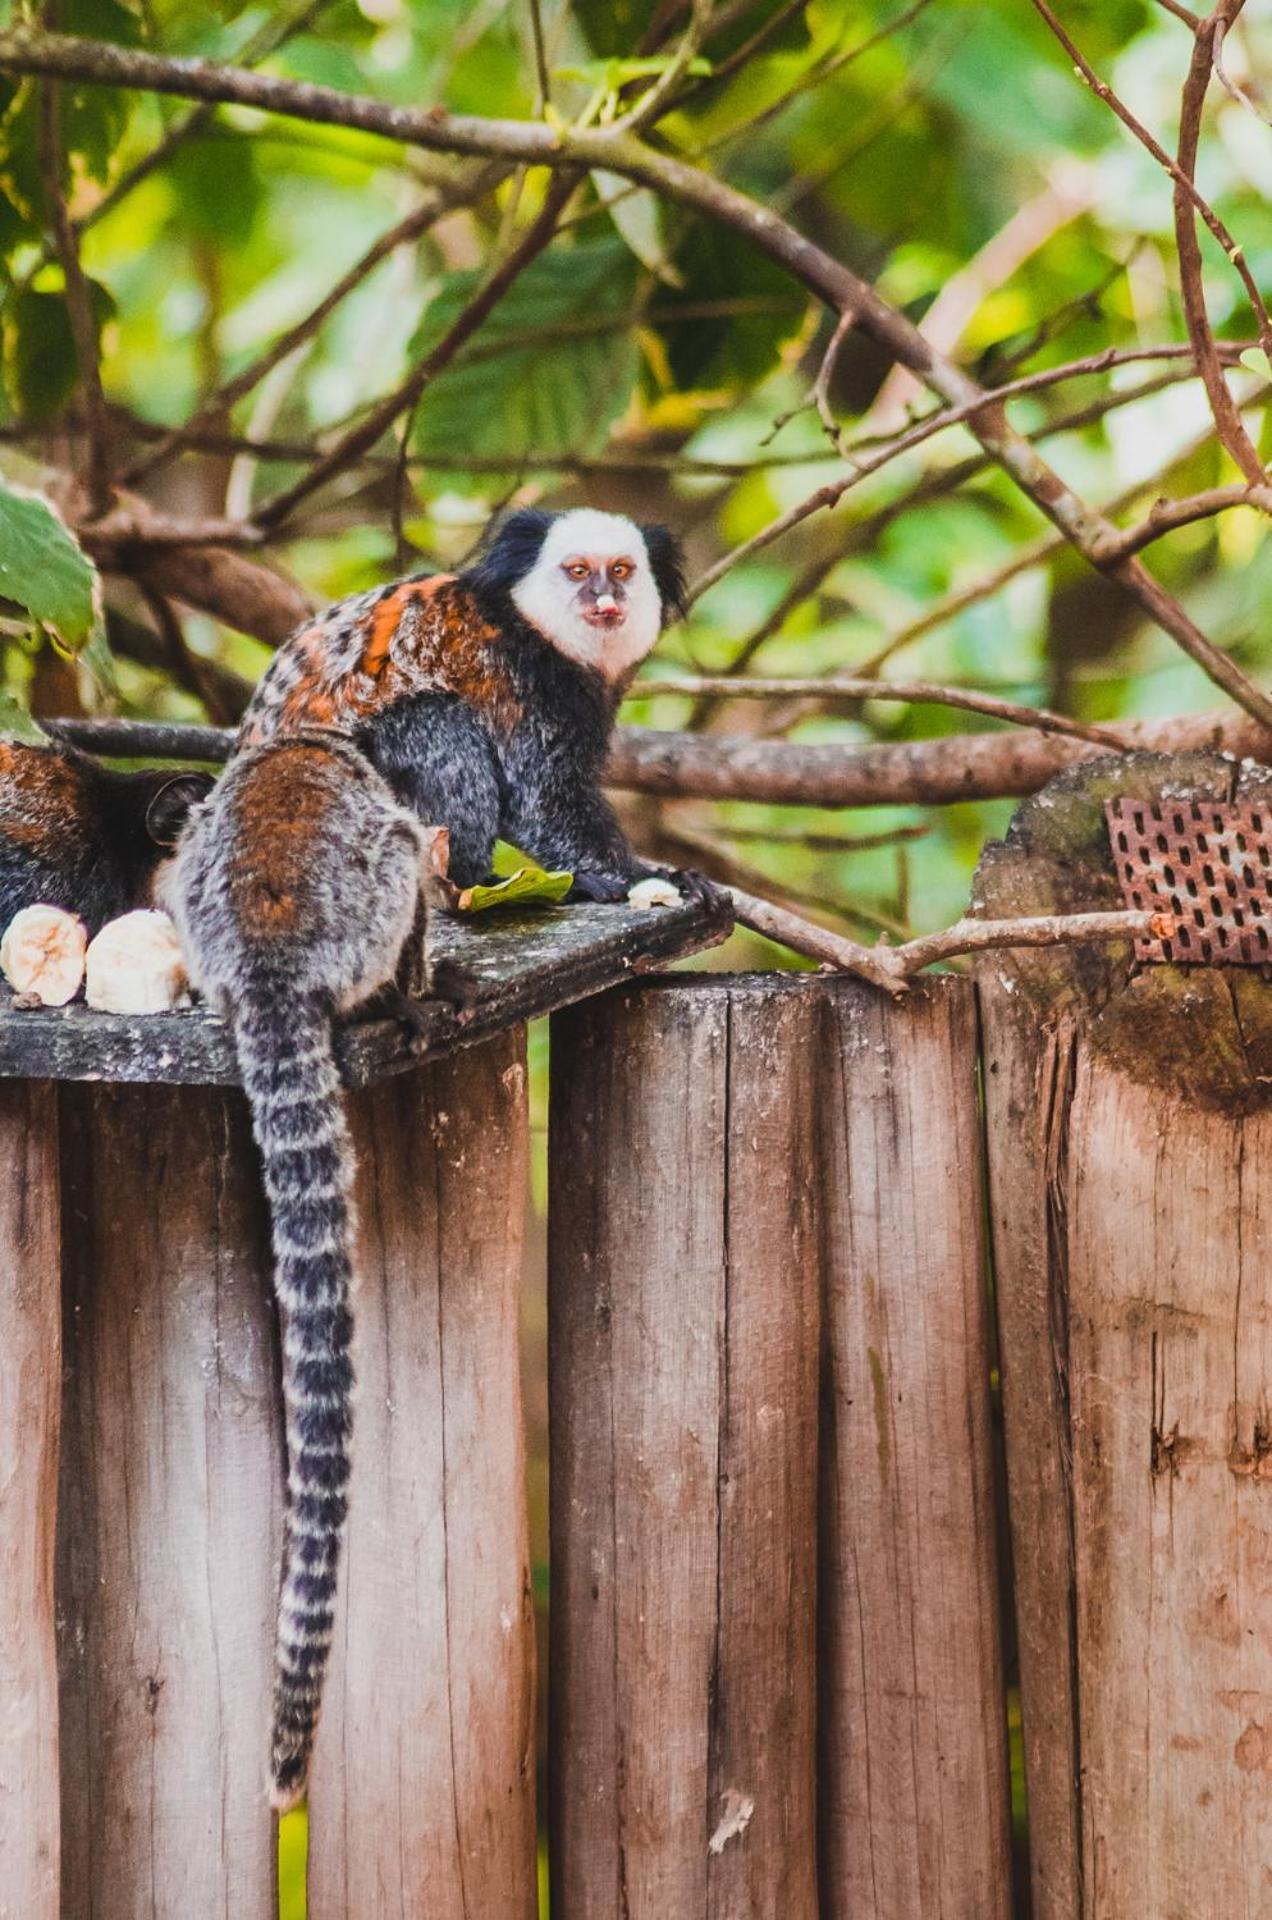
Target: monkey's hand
x: 591, y: 883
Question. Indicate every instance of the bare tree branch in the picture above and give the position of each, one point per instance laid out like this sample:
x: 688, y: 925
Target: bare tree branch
x: 835, y: 687
x: 985, y: 766
x: 185, y: 666
x: 79, y: 304
x: 352, y: 445
x: 892, y: 968
x: 438, y: 202
x: 619, y: 152
x: 1227, y: 415
x: 1183, y: 181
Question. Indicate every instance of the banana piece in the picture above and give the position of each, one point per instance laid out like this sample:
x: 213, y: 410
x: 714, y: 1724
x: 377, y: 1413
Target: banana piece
x: 654, y: 892
x: 42, y: 954
x: 135, y: 965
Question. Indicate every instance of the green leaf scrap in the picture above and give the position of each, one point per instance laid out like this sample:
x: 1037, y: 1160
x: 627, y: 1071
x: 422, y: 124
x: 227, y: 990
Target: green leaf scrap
x: 527, y: 884
x: 44, y: 570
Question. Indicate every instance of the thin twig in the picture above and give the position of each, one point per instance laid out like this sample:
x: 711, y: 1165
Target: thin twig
x: 438, y: 202
x: 816, y: 75
x: 1233, y: 90
x: 1182, y: 179
x: 1227, y: 417
x: 543, y: 81
x: 892, y: 968
x: 361, y: 438
x: 79, y: 304
x: 1190, y: 19
x: 185, y: 666
x: 834, y: 687
x: 831, y: 492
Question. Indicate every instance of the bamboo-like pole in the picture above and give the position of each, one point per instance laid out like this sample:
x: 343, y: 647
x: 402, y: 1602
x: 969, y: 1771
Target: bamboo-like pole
x: 684, y: 1327
x: 30, y: 1414
x: 422, y: 1799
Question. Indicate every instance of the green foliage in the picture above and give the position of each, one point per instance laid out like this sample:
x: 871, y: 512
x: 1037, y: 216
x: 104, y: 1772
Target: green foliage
x: 566, y: 371
x: 43, y: 570
x: 41, y: 366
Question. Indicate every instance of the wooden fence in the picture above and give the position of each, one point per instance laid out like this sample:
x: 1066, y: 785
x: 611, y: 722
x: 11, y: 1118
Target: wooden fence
x: 777, y: 1675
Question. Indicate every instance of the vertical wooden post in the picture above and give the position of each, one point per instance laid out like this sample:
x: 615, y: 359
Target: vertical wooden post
x: 30, y: 1416
x: 914, y: 1777
x: 1028, y: 1096
x: 1145, y: 1317
x: 683, y: 1343
x: 1129, y: 1128
x: 168, y: 1508
x: 422, y: 1794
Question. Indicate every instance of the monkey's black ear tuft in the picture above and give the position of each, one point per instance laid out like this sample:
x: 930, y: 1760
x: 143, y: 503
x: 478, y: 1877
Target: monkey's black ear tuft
x: 166, y: 814
x: 666, y: 557
x: 509, y: 550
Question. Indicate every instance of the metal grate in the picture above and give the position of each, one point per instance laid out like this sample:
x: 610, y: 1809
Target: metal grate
x: 1209, y: 866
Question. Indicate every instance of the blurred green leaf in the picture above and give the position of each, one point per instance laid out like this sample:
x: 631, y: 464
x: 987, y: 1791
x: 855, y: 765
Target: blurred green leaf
x: 218, y: 188
x: 16, y: 723
x: 44, y: 570
x: 730, y: 350
x: 40, y: 363
x: 550, y: 370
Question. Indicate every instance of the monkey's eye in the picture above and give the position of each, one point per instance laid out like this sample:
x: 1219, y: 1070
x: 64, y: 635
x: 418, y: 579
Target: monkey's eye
x: 622, y: 570
x: 577, y: 569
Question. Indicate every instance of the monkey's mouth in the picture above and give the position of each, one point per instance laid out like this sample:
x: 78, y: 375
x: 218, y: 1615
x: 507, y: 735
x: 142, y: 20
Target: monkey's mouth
x: 605, y: 616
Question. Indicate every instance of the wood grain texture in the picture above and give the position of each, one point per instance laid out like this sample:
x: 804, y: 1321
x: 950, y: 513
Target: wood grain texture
x: 169, y: 1509
x: 1028, y: 1078
x: 683, y: 1344
x: 1170, y: 1239
x: 30, y: 1418
x: 913, y: 1775
x: 521, y: 965
x: 422, y: 1793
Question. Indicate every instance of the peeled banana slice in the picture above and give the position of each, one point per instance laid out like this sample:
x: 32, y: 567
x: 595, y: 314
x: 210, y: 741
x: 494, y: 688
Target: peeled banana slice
x: 42, y: 954
x: 135, y: 965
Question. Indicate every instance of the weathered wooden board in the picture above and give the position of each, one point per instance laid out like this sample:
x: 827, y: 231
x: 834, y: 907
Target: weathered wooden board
x: 422, y: 1795
x: 1028, y: 1080
x: 522, y: 964
x: 1130, y: 1130
x: 30, y: 1418
x: 683, y: 1342
x: 913, y: 1775
x: 169, y: 1506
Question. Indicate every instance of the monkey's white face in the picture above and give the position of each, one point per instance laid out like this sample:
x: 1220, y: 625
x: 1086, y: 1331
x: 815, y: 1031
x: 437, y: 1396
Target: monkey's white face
x: 592, y: 592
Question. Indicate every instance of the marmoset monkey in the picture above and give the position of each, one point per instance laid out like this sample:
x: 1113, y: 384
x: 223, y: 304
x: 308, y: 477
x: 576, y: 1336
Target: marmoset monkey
x: 487, y: 699
x: 74, y: 834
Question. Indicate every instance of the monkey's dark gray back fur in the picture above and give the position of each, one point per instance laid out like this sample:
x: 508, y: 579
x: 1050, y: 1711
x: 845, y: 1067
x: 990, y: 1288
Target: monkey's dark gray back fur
x: 295, y: 887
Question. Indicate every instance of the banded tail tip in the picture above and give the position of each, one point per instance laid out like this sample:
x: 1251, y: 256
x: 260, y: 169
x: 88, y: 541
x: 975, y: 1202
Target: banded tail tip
x: 289, y: 1779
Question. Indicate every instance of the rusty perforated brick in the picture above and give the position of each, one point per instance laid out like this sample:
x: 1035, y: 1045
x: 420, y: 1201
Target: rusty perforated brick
x: 1207, y: 864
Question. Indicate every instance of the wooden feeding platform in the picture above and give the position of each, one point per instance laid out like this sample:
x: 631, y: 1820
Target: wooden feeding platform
x: 522, y: 964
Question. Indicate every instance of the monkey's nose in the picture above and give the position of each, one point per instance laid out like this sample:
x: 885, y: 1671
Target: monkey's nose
x: 606, y: 603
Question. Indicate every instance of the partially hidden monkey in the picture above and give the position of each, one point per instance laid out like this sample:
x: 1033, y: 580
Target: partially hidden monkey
x: 77, y: 835
x: 296, y: 888
x: 487, y: 698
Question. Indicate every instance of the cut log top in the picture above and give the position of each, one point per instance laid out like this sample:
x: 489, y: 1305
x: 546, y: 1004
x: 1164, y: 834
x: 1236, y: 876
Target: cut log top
x: 1200, y: 1032
x: 523, y: 964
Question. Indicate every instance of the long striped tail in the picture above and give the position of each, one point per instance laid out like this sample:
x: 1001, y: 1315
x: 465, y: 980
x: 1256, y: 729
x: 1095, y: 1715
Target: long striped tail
x: 289, y: 1073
